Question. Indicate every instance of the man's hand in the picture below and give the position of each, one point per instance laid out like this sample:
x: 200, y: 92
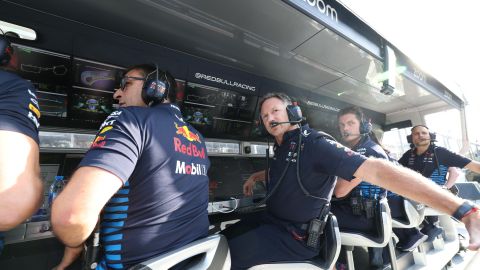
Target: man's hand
x: 472, y: 223
x: 248, y: 186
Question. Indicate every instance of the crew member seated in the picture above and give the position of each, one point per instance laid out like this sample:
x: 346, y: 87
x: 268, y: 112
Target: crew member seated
x: 138, y: 177
x: 356, y: 211
x: 433, y: 162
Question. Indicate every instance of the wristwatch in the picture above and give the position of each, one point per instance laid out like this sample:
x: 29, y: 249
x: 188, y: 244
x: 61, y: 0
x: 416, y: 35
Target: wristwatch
x: 464, y: 209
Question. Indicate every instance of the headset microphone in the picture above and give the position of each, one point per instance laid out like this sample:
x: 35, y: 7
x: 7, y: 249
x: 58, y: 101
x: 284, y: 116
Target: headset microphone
x: 346, y: 134
x: 274, y: 124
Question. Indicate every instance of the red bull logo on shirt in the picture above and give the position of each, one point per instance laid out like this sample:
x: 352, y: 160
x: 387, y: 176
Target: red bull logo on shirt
x: 189, y: 150
x: 99, y: 142
x: 190, y: 169
x: 185, y: 132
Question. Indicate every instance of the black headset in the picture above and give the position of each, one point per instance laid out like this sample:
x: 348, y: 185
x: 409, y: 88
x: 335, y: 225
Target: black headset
x: 156, y: 89
x: 6, y: 50
x: 433, y: 136
x: 365, y: 126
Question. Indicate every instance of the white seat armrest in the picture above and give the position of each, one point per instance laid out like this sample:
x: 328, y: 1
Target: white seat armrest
x: 415, y: 214
x: 214, y: 248
x: 359, y: 239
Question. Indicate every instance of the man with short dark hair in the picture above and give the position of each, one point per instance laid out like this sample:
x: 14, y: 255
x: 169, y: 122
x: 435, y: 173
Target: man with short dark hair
x: 357, y: 199
x: 145, y: 173
x: 21, y: 189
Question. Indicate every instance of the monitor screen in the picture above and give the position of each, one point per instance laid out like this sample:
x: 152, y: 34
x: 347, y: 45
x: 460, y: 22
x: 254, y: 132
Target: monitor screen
x: 219, y: 112
x: 228, y: 174
x: 50, y: 74
x: 52, y: 104
x: 90, y: 106
x: 96, y: 76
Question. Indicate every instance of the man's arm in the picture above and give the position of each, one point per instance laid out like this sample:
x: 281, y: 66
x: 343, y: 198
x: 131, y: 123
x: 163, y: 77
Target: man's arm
x: 75, y: 211
x: 452, y: 176
x: 343, y: 187
x: 21, y: 189
x: 414, y: 186
x: 473, y: 166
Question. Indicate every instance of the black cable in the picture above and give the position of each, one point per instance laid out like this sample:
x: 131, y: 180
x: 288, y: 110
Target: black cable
x: 264, y: 200
x: 305, y: 191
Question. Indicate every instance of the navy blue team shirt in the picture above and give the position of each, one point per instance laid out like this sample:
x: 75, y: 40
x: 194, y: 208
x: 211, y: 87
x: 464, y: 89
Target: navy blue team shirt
x: 426, y: 163
x: 369, y: 148
x: 19, y: 109
x: 320, y: 160
x: 163, y: 164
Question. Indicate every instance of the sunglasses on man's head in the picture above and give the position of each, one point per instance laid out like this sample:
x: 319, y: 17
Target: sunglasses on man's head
x: 125, y: 79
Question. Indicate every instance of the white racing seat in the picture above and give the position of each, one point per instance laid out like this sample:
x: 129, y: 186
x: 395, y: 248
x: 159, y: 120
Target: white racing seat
x: 382, y: 239
x: 210, y: 253
x: 328, y: 254
x: 415, y: 213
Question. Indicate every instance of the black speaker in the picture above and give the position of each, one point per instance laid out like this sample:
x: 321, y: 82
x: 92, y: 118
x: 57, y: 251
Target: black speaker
x: 156, y: 87
x: 6, y: 51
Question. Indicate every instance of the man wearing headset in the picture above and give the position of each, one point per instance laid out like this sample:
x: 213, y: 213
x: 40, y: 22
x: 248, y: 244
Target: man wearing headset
x: 433, y: 162
x: 356, y: 211
x: 279, y: 234
x: 145, y: 175
x: 20, y: 184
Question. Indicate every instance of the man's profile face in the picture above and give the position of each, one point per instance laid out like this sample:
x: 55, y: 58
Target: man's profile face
x: 349, y: 127
x: 274, y: 110
x: 131, y: 94
x: 420, y: 136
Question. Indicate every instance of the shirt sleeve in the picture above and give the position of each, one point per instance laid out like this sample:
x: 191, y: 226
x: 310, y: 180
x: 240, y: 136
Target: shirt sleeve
x: 19, y: 109
x: 450, y: 159
x: 336, y: 159
x: 117, y: 146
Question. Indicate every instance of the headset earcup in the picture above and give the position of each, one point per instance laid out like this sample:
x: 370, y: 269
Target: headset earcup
x: 409, y: 139
x: 6, y: 51
x: 154, y: 90
x: 365, y: 127
x: 294, y: 113
x: 433, y: 136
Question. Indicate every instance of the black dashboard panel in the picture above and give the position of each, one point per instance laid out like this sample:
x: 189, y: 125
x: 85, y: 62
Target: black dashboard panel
x: 219, y: 113
x: 228, y: 174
